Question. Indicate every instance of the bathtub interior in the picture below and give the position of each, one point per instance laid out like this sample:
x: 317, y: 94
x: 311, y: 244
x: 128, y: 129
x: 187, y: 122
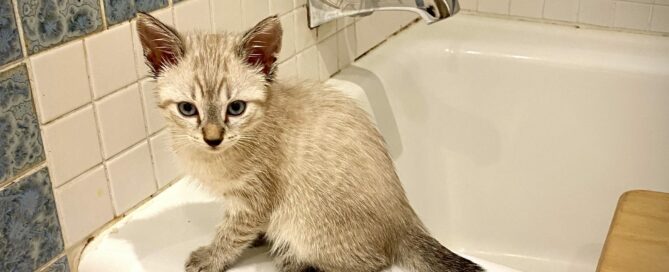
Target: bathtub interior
x: 513, y: 145
x: 514, y: 140
x: 159, y: 236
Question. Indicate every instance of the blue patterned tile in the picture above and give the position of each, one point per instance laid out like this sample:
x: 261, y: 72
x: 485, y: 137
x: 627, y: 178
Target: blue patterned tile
x: 29, y: 230
x: 10, y: 46
x: 47, y: 23
x: 20, y: 140
x: 59, y: 266
x: 119, y: 10
x: 150, y: 5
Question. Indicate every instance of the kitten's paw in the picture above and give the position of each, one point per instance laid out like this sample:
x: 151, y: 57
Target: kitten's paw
x: 200, y: 260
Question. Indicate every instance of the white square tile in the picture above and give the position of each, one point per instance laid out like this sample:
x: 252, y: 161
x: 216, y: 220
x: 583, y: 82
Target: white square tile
x: 562, y: 10
x: 192, y: 15
x: 71, y: 145
x: 527, y: 8
x: 327, y: 57
x: 469, y: 4
x: 131, y: 177
x: 165, y: 16
x: 298, y: 3
x: 494, y: 6
x: 662, y: 2
x: 288, y: 40
x: 344, y: 22
x: 60, y: 88
x: 304, y: 37
x: 660, y: 19
x: 632, y: 15
x: 406, y: 18
x: 84, y: 205
x: 111, y: 60
x: 326, y: 30
x: 227, y: 15
x: 254, y: 11
x: 307, y: 64
x: 346, y: 48
x: 288, y: 69
x: 597, y: 12
x: 374, y: 29
x: 280, y: 6
x: 121, y: 120
x: 154, y: 119
x: 165, y: 163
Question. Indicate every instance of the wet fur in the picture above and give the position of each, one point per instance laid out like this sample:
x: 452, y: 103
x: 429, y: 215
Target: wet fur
x: 304, y: 165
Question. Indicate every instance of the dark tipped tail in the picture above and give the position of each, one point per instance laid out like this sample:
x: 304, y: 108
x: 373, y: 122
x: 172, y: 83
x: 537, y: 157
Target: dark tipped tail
x: 422, y: 253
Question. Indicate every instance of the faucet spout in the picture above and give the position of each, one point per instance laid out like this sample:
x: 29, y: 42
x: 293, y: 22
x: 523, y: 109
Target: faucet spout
x: 323, y: 11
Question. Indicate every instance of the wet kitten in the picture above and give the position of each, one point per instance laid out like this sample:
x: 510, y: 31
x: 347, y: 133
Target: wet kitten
x: 297, y: 161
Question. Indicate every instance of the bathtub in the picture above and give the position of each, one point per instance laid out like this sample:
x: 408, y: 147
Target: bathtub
x: 513, y: 140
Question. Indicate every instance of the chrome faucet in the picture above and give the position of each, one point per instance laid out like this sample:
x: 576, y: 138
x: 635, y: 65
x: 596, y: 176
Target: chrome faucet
x: 323, y: 11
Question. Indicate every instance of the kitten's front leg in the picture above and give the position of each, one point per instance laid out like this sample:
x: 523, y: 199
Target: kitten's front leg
x: 236, y: 233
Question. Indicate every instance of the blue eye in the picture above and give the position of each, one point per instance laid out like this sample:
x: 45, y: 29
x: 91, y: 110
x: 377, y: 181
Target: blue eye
x: 236, y: 108
x: 187, y: 109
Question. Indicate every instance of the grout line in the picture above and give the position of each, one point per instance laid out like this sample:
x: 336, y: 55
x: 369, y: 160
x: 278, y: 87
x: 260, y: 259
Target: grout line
x: 51, y: 262
x: 649, y: 23
x: 211, y: 16
x: 173, y: 11
x: 11, y: 65
x: 133, y: 34
x: 93, y: 100
x: 19, y: 29
x: 25, y: 173
x: 242, y: 16
x: 147, y: 131
x: 98, y: 132
x: 102, y: 163
x: 38, y: 114
x: 103, y: 13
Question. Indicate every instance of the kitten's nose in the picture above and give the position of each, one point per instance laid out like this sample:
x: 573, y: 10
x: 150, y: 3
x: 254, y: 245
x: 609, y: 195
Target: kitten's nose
x: 213, y: 142
x: 212, y: 134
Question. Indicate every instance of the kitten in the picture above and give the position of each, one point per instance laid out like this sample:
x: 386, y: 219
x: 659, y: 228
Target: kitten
x: 298, y: 162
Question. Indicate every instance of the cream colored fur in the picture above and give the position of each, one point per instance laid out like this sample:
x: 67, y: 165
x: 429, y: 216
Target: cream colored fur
x: 303, y: 164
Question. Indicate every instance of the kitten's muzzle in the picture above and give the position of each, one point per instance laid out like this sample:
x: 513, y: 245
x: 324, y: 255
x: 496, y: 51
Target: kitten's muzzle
x: 212, y: 134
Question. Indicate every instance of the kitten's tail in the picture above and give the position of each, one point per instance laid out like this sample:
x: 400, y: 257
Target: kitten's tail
x: 422, y: 253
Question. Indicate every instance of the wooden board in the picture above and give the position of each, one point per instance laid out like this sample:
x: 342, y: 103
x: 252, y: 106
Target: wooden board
x: 638, y: 239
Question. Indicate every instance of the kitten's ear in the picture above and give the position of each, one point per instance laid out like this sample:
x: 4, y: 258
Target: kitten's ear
x: 262, y: 43
x: 162, y: 45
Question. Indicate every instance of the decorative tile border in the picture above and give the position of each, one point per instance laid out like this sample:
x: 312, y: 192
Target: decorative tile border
x: 20, y: 140
x: 118, y: 11
x: 59, y: 266
x: 47, y: 23
x: 30, y: 233
x: 10, y: 46
x: 150, y: 5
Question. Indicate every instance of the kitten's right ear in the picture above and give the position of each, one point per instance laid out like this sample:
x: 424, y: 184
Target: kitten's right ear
x: 162, y: 45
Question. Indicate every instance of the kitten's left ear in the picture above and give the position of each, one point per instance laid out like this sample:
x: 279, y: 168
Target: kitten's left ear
x: 262, y: 43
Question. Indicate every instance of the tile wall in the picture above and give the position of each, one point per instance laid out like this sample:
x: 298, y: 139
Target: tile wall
x: 81, y: 142
x: 648, y: 16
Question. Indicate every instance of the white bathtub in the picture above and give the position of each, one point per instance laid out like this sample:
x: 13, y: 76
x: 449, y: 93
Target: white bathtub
x: 513, y: 141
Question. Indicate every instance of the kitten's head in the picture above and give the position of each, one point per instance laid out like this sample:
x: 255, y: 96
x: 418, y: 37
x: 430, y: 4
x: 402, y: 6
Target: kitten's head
x: 212, y: 88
